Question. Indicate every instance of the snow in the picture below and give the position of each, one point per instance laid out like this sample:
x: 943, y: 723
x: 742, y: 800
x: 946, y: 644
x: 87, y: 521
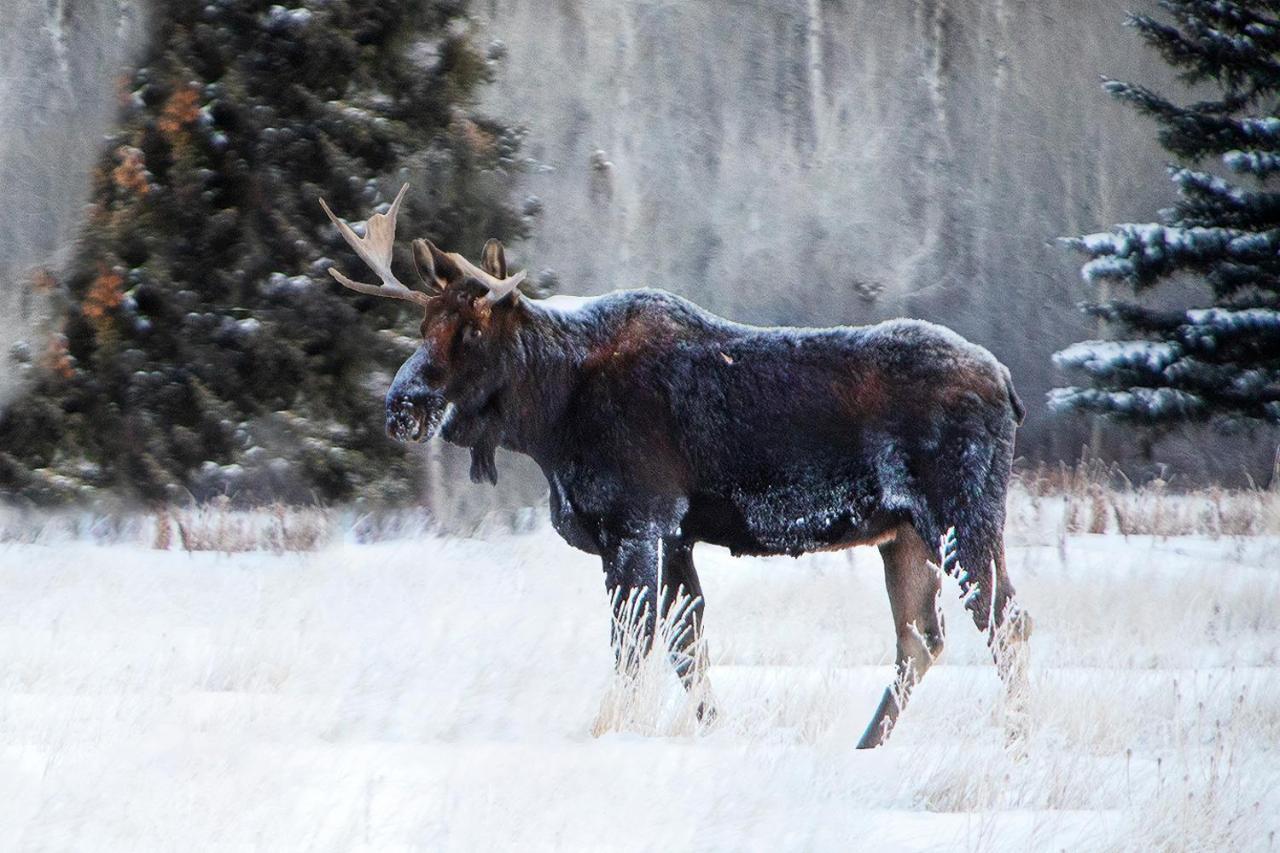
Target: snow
x: 1191, y: 179
x: 1107, y: 266
x: 1131, y: 247
x: 1102, y: 358
x: 280, y: 19
x: 1139, y: 401
x: 564, y: 305
x: 1253, y: 246
x: 1246, y: 320
x: 1264, y: 129
x: 282, y: 286
x: 439, y: 694
x: 1259, y: 163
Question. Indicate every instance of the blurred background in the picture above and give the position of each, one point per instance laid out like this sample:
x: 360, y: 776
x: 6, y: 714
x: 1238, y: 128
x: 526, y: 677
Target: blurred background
x: 168, y: 332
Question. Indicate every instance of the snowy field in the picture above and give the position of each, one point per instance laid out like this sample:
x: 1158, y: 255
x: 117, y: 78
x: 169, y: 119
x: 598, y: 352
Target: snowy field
x: 456, y: 694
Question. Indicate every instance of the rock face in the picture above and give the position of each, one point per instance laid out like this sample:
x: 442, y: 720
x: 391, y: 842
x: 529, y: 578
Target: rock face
x: 60, y: 66
x: 835, y: 161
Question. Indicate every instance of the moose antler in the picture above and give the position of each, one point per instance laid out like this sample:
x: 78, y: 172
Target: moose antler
x: 374, y: 248
x: 498, y: 288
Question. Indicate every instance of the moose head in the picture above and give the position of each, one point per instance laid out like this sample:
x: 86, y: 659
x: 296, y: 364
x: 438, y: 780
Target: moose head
x: 454, y: 382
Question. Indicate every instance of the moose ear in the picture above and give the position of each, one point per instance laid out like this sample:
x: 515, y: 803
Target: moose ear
x: 494, y: 260
x: 436, y: 269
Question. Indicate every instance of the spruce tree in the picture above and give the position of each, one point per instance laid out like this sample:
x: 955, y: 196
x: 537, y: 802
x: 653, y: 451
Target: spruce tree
x: 201, y: 348
x: 1218, y: 361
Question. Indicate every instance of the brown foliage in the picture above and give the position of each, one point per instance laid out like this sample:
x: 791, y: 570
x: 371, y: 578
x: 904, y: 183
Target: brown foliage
x: 105, y: 293
x: 124, y: 89
x: 56, y: 359
x: 43, y: 281
x: 479, y: 141
x: 131, y: 173
x: 164, y: 532
x: 180, y: 111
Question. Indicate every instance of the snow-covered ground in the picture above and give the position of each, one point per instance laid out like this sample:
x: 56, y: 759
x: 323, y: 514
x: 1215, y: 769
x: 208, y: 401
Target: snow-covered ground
x: 441, y: 694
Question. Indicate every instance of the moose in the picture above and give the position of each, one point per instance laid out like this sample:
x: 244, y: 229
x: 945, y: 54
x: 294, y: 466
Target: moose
x: 659, y: 425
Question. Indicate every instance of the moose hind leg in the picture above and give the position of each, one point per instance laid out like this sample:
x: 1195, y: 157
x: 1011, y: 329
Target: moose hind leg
x: 991, y: 600
x: 913, y: 585
x: 684, y: 606
x: 1007, y: 638
x: 990, y: 597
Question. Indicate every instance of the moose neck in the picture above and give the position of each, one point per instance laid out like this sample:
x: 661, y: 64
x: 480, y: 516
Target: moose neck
x: 549, y: 349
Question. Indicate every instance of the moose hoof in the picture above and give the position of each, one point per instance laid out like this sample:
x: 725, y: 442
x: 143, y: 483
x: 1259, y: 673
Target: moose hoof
x: 1021, y: 625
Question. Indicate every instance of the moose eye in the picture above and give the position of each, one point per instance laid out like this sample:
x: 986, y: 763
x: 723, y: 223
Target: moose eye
x: 466, y: 334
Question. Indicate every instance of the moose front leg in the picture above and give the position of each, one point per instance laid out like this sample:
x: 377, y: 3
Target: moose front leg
x: 684, y: 605
x: 631, y: 567
x: 635, y: 569
x: 484, y: 467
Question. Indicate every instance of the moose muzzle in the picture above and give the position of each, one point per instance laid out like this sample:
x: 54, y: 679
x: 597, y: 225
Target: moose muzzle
x: 415, y: 410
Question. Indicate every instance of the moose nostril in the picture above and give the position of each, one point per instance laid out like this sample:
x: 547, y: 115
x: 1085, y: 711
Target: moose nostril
x: 413, y: 411
x: 403, y: 422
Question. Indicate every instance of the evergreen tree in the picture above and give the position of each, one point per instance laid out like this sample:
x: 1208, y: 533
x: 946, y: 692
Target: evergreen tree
x: 201, y: 349
x: 1219, y: 362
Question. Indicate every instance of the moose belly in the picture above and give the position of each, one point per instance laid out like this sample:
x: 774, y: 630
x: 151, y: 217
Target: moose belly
x: 792, y: 519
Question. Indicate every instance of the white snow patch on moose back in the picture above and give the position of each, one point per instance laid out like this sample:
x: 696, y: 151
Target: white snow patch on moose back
x: 439, y: 694
x: 567, y: 306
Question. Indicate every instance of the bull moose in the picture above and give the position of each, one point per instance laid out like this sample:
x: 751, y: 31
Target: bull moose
x: 659, y: 425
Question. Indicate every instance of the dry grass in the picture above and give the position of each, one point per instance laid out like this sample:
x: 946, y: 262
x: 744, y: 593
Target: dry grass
x: 1046, y: 502
x: 215, y: 527
x: 640, y: 701
x: 209, y: 527
x: 1092, y: 497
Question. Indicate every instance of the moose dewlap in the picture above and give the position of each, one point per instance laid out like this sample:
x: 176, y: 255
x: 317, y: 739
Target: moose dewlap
x: 659, y: 425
